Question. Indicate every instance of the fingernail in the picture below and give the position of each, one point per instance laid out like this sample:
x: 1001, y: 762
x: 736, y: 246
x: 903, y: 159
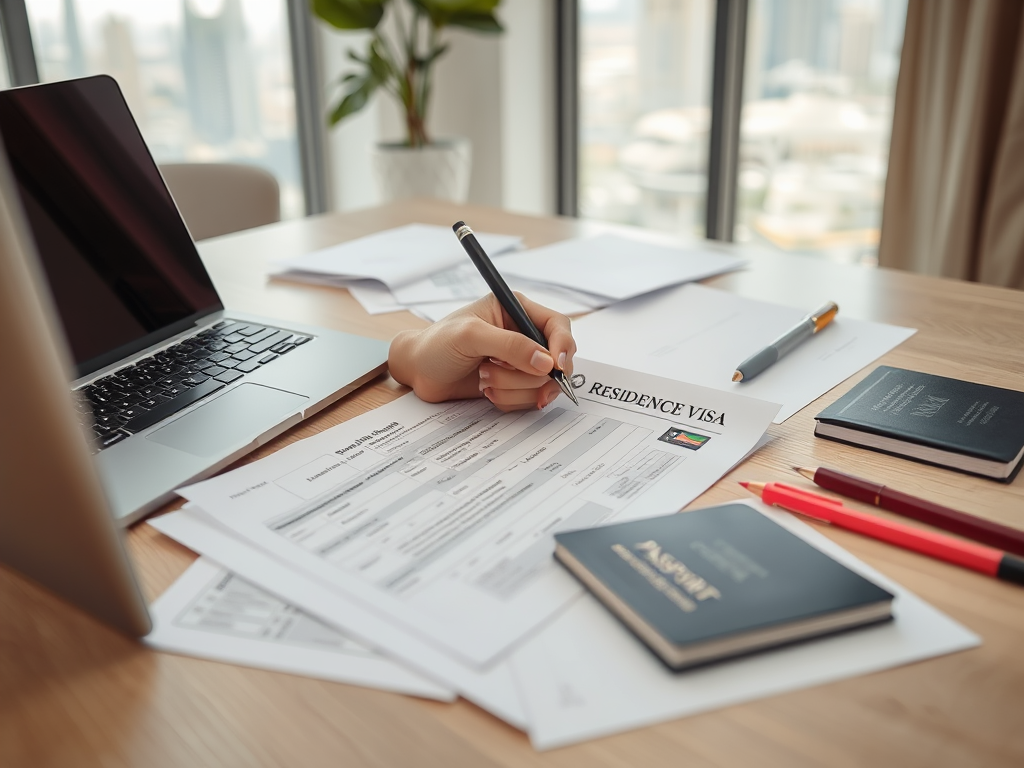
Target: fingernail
x: 561, y: 361
x: 540, y: 360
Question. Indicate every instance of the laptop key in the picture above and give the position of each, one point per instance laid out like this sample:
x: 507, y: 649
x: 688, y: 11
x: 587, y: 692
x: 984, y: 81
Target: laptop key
x: 112, y: 439
x: 232, y: 338
x: 227, y: 377
x: 251, y: 330
x: 248, y: 366
x: 243, y: 355
x: 154, y: 401
x: 283, y: 349
x: 131, y: 413
x: 195, y: 378
x: 214, y: 371
x: 216, y: 357
x: 236, y: 347
x: 300, y: 340
x: 216, y: 346
x: 268, y: 359
x: 266, y: 333
x: 269, y: 342
x: 161, y: 411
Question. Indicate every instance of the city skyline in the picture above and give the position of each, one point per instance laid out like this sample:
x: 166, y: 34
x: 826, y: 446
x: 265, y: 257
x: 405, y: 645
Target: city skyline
x: 207, y: 80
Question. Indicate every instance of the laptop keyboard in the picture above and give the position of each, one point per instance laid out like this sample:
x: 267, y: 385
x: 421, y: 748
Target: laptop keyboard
x: 138, y: 396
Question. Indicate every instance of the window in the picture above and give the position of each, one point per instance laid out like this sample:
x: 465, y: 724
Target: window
x: 5, y: 78
x: 207, y: 80
x: 644, y: 80
x: 819, y: 80
x: 819, y: 83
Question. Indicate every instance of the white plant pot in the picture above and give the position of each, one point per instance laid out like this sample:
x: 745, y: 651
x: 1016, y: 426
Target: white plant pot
x: 439, y: 170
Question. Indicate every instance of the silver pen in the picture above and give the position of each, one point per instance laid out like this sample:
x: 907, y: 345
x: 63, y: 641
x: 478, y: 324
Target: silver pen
x: 786, y: 343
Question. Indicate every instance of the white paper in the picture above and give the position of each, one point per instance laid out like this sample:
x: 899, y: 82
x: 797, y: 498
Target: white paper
x: 395, y: 256
x: 440, y: 517
x: 586, y: 676
x: 549, y: 296
x: 701, y: 334
x: 493, y: 689
x: 211, y: 613
x: 616, y: 267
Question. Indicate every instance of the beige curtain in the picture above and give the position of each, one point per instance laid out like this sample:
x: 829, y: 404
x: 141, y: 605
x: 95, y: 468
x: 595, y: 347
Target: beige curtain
x: 954, y: 196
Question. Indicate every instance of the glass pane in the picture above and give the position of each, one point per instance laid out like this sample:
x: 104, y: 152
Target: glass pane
x: 207, y: 80
x: 645, y: 82
x: 818, y: 96
x: 5, y: 77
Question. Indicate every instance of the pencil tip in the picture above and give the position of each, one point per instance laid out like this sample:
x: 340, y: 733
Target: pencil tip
x: 806, y: 472
x: 745, y: 483
x: 737, y: 376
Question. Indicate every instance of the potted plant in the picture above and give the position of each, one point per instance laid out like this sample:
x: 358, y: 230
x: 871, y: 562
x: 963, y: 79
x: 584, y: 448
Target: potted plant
x: 401, y: 63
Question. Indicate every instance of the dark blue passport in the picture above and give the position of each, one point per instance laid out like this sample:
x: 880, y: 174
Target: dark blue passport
x: 706, y: 585
x: 952, y: 423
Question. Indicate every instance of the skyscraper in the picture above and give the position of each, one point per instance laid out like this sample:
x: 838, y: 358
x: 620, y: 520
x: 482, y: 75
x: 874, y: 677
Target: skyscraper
x: 76, y: 53
x: 219, y: 75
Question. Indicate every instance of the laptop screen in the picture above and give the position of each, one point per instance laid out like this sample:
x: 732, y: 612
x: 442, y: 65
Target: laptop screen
x: 120, y: 263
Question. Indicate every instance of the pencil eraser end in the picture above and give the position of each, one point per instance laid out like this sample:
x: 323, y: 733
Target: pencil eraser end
x: 457, y: 225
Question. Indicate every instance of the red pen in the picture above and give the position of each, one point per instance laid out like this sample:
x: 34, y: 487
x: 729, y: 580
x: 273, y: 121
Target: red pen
x: 988, y: 560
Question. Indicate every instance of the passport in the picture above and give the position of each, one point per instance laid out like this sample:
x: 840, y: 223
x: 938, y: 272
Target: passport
x: 938, y: 420
x: 702, y: 586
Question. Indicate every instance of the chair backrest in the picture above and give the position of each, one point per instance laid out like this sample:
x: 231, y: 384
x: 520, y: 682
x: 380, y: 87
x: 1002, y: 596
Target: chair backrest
x: 219, y: 198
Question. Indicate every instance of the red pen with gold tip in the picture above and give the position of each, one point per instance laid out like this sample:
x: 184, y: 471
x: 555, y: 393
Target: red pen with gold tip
x: 952, y: 520
x: 978, y: 557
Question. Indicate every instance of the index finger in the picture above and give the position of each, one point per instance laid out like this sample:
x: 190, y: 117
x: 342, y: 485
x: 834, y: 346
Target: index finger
x: 556, y: 328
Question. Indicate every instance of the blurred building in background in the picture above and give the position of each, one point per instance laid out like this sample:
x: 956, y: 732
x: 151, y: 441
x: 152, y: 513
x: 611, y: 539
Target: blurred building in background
x: 819, y: 82
x: 207, y: 80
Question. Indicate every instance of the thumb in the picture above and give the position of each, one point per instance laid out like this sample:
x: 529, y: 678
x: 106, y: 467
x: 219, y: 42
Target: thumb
x: 486, y: 340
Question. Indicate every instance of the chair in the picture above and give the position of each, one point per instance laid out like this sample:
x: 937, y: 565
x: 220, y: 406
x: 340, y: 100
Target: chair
x: 219, y: 198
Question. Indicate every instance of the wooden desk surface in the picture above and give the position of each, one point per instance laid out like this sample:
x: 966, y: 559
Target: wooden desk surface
x: 75, y: 693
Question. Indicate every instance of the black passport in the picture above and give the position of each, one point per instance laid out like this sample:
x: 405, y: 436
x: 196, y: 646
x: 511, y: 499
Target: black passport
x: 949, y: 422
x: 706, y: 585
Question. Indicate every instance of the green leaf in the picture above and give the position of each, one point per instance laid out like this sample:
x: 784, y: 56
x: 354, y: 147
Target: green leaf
x: 433, y: 55
x: 350, y: 14
x: 480, y: 22
x: 472, y: 14
x: 354, y: 100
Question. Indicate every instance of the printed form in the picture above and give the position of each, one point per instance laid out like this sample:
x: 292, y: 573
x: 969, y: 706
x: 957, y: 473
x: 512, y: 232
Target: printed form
x: 212, y: 613
x: 440, y: 516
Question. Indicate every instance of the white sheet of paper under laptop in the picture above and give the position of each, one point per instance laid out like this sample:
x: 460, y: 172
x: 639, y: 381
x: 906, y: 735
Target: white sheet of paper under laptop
x: 616, y: 267
x: 395, y: 257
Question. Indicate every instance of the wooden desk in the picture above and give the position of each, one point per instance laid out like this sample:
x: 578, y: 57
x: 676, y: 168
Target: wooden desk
x: 73, y: 693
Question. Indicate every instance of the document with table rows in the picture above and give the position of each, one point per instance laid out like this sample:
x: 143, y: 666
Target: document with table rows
x: 441, y: 516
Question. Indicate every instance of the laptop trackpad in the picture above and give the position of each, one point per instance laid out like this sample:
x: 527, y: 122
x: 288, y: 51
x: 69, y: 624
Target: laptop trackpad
x: 235, y: 418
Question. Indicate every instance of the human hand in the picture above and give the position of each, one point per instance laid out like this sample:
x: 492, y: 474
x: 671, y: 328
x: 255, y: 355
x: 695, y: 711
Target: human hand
x: 477, y: 351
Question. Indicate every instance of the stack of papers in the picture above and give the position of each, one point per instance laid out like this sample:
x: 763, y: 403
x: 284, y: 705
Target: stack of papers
x: 424, y: 269
x: 424, y: 532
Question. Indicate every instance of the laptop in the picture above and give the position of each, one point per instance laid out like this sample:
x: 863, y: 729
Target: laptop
x: 55, y: 522
x: 169, y: 385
